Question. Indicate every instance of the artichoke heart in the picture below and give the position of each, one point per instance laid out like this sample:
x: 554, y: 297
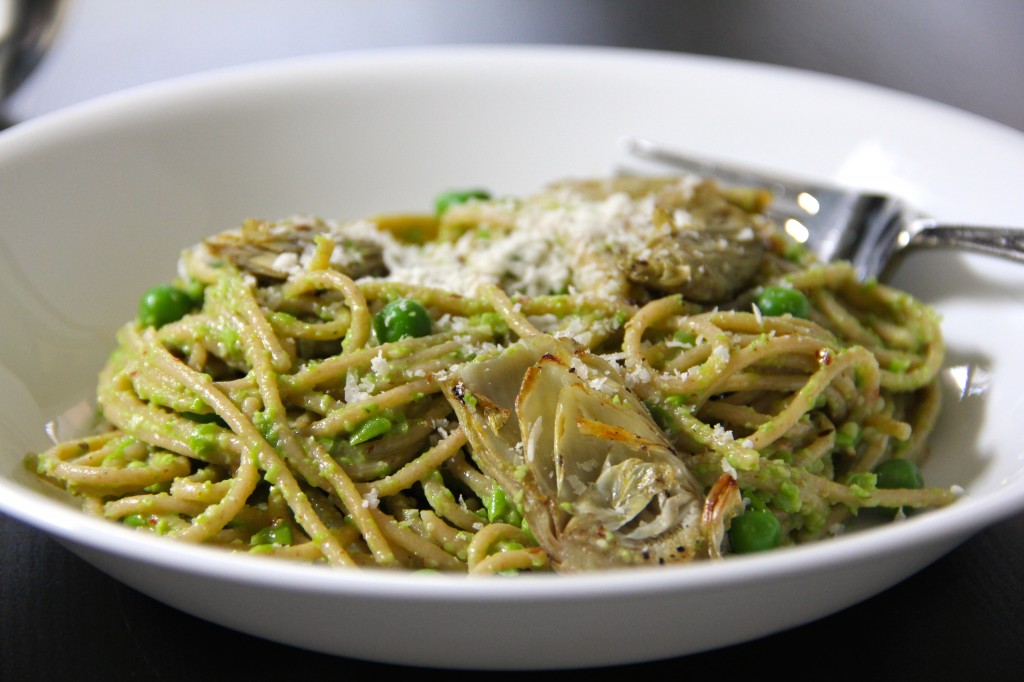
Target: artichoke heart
x: 702, y: 244
x: 598, y: 482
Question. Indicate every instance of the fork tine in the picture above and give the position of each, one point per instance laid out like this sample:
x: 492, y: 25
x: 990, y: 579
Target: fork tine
x: 729, y: 173
x: 867, y: 228
x: 829, y: 220
x: 792, y: 198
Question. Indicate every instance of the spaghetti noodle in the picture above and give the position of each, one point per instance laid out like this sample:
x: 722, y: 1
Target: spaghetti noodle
x: 600, y: 375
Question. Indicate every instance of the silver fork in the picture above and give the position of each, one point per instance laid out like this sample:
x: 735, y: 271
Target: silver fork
x: 870, y: 230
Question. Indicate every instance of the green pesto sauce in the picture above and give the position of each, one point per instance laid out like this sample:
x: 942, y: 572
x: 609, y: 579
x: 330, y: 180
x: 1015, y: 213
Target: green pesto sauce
x: 500, y: 509
x: 202, y: 439
x: 788, y: 498
x: 278, y: 533
x: 862, y: 484
x: 163, y: 460
x: 265, y: 422
x: 371, y: 428
x: 849, y: 435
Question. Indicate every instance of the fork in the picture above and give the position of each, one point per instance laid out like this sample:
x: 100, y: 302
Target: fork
x: 871, y: 230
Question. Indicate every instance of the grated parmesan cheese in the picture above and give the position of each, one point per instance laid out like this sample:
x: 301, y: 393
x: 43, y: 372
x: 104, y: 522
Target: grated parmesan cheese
x: 379, y: 365
x: 371, y: 500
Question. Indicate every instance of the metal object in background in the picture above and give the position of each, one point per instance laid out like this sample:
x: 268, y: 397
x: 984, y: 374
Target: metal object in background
x: 27, y: 28
x: 870, y: 230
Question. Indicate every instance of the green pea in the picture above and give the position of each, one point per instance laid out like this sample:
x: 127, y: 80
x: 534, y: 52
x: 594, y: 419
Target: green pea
x: 754, y: 531
x: 401, y: 318
x: 446, y: 200
x: 163, y: 304
x: 776, y: 301
x: 370, y: 429
x: 898, y: 473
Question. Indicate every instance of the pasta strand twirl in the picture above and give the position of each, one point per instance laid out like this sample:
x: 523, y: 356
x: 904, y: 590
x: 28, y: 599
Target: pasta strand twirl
x: 341, y: 394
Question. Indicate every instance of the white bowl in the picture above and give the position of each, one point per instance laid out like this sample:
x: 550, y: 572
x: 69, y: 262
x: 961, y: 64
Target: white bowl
x: 97, y: 201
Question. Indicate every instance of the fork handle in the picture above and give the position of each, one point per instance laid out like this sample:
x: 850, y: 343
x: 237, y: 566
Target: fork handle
x: 1005, y: 242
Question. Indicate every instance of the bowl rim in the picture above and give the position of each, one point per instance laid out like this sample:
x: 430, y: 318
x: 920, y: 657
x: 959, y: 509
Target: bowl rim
x: 405, y: 56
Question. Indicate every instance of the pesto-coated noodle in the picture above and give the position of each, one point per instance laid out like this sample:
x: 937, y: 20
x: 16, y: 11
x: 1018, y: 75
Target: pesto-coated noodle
x: 600, y: 376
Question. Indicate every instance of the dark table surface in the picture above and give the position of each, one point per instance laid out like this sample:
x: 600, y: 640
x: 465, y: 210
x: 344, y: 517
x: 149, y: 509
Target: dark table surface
x: 962, y: 618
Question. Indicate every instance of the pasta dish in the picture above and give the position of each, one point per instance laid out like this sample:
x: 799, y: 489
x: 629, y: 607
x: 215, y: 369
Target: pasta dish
x: 608, y: 373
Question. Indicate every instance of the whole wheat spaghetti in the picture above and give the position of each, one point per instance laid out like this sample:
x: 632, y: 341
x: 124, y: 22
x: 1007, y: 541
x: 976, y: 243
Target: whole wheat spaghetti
x: 609, y: 372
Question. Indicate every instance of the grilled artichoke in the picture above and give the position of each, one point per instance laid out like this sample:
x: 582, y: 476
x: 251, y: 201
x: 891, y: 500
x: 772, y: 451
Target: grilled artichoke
x: 597, y: 481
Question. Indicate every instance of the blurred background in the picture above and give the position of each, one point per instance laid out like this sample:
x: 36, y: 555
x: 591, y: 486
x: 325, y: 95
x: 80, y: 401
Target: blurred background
x: 965, y: 53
